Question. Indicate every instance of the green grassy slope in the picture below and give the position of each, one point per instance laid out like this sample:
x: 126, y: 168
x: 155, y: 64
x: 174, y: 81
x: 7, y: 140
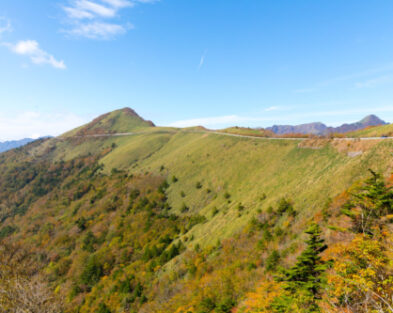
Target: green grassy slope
x: 245, y: 168
x: 378, y: 131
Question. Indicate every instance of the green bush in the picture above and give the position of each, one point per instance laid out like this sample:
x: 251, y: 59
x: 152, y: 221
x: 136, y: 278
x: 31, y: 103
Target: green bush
x: 102, y: 308
x: 7, y: 231
x: 272, y: 261
x: 88, y: 242
x: 184, y: 208
x: 92, y: 272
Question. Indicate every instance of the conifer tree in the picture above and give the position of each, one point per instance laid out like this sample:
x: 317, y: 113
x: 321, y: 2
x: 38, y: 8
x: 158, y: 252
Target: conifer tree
x: 369, y: 203
x: 305, y: 280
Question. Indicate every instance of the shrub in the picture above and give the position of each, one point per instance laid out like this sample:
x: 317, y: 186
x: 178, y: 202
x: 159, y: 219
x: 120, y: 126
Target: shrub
x: 88, y: 242
x: 215, y: 211
x: 92, y: 272
x: 102, y: 308
x: 272, y: 261
x: 7, y: 231
x: 81, y: 223
x: 184, y: 208
x: 285, y: 206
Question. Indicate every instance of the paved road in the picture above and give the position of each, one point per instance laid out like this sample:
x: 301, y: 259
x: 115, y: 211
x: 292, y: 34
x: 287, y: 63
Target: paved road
x: 223, y: 134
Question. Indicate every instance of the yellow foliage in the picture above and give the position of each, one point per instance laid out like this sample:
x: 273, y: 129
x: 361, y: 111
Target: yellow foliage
x: 261, y: 300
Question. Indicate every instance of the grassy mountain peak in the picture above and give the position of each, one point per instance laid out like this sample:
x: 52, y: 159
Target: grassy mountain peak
x: 119, y: 121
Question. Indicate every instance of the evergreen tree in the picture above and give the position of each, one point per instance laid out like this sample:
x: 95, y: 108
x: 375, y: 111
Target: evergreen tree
x: 304, y: 281
x: 369, y: 203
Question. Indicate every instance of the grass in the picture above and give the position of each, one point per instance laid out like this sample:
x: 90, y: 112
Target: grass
x: 246, y: 168
x: 377, y: 131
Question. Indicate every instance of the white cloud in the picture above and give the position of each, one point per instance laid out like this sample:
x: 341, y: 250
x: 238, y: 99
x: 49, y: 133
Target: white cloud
x: 218, y: 120
x: 202, y: 61
x: 5, y: 25
x: 76, y: 13
x: 374, y: 82
x: 89, y: 9
x: 35, y: 124
x: 207, y: 121
x: 146, y: 1
x: 119, y: 3
x: 272, y: 108
x: 96, y: 19
x: 97, y: 30
x: 32, y: 49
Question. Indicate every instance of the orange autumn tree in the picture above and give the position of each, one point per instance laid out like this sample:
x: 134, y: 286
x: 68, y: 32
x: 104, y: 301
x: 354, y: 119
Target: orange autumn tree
x: 362, y: 277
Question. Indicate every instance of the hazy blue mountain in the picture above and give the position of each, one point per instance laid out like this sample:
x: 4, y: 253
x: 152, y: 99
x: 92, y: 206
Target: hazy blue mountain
x: 321, y: 129
x: 12, y: 144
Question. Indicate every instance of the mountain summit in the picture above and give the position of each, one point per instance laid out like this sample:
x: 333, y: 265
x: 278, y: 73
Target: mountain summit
x: 321, y: 129
x: 120, y: 121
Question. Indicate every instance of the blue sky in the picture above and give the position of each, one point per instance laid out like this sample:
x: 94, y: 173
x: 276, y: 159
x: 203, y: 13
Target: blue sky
x: 186, y: 62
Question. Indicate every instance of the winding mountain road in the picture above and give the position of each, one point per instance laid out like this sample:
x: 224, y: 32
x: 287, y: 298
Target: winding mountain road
x: 226, y: 134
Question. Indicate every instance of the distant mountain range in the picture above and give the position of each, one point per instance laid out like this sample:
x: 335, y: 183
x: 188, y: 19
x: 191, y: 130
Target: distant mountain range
x: 8, y: 145
x: 321, y: 129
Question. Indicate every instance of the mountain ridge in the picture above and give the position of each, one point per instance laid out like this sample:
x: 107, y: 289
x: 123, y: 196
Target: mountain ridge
x: 12, y: 144
x: 318, y: 128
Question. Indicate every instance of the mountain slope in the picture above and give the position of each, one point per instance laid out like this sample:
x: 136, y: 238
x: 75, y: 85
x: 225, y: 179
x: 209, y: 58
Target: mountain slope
x: 119, y: 121
x: 322, y: 129
x: 310, y: 128
x: 148, y: 222
x: 370, y: 120
x: 376, y: 131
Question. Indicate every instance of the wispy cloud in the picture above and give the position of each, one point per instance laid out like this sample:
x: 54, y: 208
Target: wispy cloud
x: 119, y: 3
x: 5, y: 25
x: 217, y: 120
x: 82, y: 9
x: 34, y: 124
x: 370, y: 83
x: 98, y: 19
x: 202, y: 61
x: 386, y: 68
x: 31, y: 49
x: 99, y: 30
x: 273, y: 108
